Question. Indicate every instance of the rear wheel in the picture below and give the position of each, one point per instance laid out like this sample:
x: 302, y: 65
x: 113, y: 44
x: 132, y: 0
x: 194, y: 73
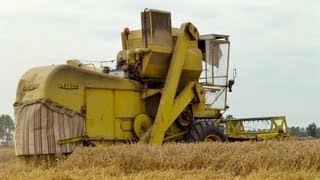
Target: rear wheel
x: 205, y: 131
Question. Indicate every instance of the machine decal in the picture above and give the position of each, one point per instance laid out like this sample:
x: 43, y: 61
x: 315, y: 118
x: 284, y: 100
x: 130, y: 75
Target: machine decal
x: 30, y: 87
x: 68, y: 86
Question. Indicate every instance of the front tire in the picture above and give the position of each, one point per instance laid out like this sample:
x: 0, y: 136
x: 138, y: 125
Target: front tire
x: 205, y: 131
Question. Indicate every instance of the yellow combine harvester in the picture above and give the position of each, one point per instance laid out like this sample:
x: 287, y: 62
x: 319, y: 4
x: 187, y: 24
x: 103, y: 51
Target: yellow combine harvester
x: 156, y: 94
x: 236, y: 129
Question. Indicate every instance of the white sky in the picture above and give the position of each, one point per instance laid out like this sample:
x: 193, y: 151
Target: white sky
x: 274, y: 45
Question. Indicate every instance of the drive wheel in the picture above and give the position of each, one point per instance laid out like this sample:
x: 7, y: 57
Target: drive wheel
x: 205, y: 131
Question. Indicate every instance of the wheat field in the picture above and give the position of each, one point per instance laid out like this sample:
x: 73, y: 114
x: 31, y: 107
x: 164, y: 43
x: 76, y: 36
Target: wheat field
x: 239, y: 160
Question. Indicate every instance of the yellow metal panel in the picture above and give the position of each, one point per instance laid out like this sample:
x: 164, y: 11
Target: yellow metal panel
x: 124, y: 129
x: 200, y: 111
x: 100, y: 113
x: 135, y: 39
x: 127, y: 104
x: 65, y: 85
x: 149, y: 92
x: 156, y: 63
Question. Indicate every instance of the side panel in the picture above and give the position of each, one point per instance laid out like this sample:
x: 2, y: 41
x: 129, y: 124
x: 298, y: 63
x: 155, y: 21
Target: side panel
x: 127, y: 106
x: 100, y: 113
x: 110, y: 113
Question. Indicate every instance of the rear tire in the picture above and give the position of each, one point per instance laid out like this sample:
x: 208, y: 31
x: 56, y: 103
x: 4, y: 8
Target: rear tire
x: 205, y: 131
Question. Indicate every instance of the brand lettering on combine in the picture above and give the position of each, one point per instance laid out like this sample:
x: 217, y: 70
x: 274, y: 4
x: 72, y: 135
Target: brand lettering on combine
x: 30, y: 87
x: 68, y: 86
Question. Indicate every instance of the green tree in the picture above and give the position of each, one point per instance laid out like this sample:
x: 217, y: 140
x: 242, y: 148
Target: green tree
x: 298, y: 131
x: 303, y: 132
x: 6, y: 128
x: 294, y: 131
x: 312, y: 130
x: 318, y: 132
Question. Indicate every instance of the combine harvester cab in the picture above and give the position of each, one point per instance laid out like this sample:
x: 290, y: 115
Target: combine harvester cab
x: 156, y: 94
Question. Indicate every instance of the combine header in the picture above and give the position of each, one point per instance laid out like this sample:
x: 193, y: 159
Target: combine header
x: 238, y: 130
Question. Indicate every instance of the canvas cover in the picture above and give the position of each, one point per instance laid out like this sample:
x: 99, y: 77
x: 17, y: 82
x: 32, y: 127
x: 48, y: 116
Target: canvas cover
x: 40, y: 124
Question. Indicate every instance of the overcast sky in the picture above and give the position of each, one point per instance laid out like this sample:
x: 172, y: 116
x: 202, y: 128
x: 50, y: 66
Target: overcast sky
x: 275, y: 45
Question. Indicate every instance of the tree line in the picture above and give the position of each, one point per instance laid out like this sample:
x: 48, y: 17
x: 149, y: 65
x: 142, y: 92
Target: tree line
x: 311, y: 130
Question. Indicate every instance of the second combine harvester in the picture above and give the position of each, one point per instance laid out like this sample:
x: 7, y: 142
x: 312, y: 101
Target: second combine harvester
x: 157, y: 93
